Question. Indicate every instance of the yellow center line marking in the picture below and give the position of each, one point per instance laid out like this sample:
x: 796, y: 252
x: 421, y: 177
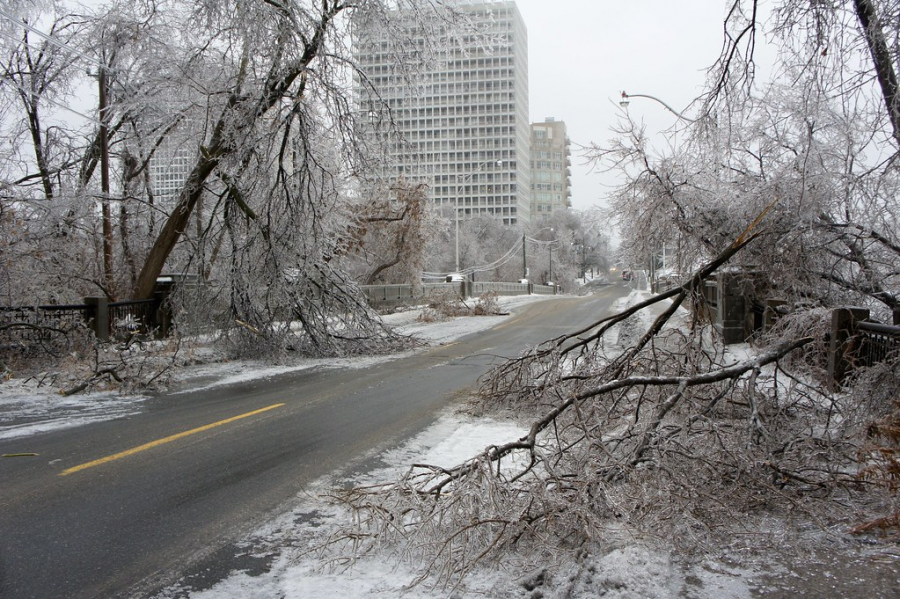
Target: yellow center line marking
x: 158, y: 442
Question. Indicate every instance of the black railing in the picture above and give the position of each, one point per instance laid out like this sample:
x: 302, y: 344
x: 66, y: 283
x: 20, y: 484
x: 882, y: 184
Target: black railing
x: 41, y: 330
x: 878, y: 342
x: 137, y: 317
x: 40, y: 323
x: 856, y: 342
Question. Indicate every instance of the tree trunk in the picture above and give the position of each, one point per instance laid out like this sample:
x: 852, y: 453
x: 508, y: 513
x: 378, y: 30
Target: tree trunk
x: 275, y: 88
x: 34, y: 124
x: 173, y: 228
x: 881, y: 57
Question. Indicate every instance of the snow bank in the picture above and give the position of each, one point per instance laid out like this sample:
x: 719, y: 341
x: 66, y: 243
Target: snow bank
x: 299, y: 570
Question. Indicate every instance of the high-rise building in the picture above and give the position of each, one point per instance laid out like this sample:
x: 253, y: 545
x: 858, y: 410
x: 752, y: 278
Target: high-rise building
x: 465, y: 123
x: 551, y: 176
x: 170, y: 167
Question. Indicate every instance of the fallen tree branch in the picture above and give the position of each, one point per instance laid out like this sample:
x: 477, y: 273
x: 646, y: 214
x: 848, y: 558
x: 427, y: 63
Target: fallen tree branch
x: 529, y: 441
x: 111, y: 372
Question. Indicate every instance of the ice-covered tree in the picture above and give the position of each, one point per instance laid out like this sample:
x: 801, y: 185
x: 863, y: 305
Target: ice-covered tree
x: 252, y: 103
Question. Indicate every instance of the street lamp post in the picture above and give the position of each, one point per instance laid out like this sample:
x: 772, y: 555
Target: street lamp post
x: 456, y: 200
x: 624, y: 102
x: 550, y: 247
x: 524, y: 259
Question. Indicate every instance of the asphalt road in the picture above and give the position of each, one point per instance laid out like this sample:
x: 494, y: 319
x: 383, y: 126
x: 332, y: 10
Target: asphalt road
x: 120, y: 508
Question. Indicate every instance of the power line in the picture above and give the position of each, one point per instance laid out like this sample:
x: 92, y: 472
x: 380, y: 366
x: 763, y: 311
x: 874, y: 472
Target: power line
x: 51, y: 40
x: 509, y: 255
x: 51, y: 101
x: 541, y: 241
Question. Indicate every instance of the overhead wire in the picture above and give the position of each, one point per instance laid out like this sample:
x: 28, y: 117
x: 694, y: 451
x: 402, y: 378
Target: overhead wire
x: 509, y: 255
x: 473, y: 269
x: 62, y: 46
x: 55, y: 42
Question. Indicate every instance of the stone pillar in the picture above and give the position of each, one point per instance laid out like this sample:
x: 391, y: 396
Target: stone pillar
x: 99, y: 317
x: 731, y: 311
x: 841, y: 346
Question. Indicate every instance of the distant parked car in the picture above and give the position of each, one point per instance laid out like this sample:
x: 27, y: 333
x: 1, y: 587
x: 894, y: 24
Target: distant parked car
x: 523, y: 281
x: 455, y: 277
x: 627, y: 275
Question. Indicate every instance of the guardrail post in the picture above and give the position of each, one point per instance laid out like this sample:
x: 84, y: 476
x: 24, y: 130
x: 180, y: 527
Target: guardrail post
x: 162, y: 314
x: 98, y: 319
x: 841, y: 346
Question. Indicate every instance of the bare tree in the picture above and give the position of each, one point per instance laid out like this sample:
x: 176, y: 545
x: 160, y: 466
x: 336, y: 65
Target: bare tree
x: 391, y: 236
x: 254, y: 99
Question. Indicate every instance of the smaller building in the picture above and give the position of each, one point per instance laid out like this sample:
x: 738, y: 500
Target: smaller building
x: 551, y: 175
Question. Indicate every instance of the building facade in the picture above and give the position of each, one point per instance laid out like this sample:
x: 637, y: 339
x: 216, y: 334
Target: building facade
x: 551, y: 174
x: 170, y: 166
x: 464, y: 125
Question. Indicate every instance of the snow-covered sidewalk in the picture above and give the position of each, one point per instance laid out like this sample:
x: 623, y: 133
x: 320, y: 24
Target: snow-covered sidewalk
x: 32, y: 405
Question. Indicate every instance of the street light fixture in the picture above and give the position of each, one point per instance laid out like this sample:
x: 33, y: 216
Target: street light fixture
x: 625, y: 101
x: 459, y: 187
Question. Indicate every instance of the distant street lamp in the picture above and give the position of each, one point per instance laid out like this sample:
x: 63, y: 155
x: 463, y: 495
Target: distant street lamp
x: 624, y: 103
x: 456, y: 199
x: 584, y: 249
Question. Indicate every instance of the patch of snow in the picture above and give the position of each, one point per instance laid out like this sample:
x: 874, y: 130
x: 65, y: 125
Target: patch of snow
x: 28, y: 408
x: 31, y: 406
x: 297, y: 569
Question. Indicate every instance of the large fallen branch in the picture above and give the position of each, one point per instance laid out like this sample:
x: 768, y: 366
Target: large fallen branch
x: 528, y: 442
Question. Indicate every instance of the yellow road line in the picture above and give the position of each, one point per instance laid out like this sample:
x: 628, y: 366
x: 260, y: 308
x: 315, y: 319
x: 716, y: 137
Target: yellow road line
x: 158, y: 442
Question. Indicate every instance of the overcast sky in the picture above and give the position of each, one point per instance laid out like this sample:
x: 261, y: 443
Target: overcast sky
x: 583, y: 53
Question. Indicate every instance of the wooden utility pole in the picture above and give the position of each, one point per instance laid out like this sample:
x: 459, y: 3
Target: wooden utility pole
x: 104, y: 187
x: 524, y: 259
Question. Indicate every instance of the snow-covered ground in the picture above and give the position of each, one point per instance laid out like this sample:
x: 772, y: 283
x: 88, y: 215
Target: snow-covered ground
x: 35, y: 404
x: 288, y: 544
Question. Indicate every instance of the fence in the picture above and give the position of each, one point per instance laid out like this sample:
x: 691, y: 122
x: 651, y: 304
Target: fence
x: 855, y: 342
x: 878, y: 342
x: 24, y: 326
x: 394, y: 295
x: 39, y: 326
